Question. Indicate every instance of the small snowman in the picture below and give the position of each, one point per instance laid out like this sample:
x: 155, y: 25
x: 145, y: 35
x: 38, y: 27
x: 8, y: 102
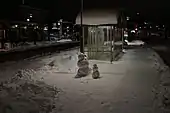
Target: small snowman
x: 96, y: 73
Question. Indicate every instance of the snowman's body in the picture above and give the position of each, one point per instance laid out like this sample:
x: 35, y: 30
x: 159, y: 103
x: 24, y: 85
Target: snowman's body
x: 83, y: 65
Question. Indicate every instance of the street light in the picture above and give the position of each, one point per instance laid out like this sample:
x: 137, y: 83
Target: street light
x: 59, y: 23
x: 30, y: 15
x: 145, y: 23
x: 28, y: 20
x: 23, y: 2
x: 81, y: 37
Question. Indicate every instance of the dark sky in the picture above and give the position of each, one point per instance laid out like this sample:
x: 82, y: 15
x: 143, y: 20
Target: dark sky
x: 151, y: 9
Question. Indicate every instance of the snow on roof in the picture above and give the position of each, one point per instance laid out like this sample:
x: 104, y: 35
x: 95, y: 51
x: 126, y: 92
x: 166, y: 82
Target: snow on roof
x: 98, y: 17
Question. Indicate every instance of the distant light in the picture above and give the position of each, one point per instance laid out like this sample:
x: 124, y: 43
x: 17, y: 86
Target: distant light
x: 59, y: 23
x: 54, y: 28
x: 45, y: 29
x: 140, y: 27
x: 157, y: 26
x: 25, y: 27
x: 126, y: 41
x: 163, y: 25
x: 137, y: 13
x: 36, y: 27
x: 28, y: 20
x: 67, y: 27
x: 150, y: 26
x: 127, y: 18
x: 30, y: 15
x: 16, y: 25
x: 133, y: 31
x: 136, y: 29
x: 125, y: 35
x: 145, y: 23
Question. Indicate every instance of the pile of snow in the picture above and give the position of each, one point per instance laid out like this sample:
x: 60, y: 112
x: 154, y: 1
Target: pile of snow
x: 64, y: 65
x: 24, y: 94
x: 65, y: 40
x: 133, y: 43
x: 163, y: 89
x: 108, y: 43
x: 118, y: 43
x: 25, y: 44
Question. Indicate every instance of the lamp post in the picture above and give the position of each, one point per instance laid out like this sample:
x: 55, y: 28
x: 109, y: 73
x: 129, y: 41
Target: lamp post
x: 23, y: 2
x: 81, y: 35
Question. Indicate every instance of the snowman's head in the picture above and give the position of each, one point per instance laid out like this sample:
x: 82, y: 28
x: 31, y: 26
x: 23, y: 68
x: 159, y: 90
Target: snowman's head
x: 81, y: 56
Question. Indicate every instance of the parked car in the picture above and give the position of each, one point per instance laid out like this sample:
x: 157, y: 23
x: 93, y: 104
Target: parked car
x: 135, y: 43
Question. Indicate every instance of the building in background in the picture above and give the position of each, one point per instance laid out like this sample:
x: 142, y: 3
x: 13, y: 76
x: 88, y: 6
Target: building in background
x: 23, y: 23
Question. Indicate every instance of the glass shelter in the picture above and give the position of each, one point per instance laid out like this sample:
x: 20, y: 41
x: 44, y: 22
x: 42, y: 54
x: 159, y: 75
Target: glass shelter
x: 102, y: 34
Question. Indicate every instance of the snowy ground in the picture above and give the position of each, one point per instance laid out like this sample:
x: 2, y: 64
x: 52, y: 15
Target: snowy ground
x: 129, y: 85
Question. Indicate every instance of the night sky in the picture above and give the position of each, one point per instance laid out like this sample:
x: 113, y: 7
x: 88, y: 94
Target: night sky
x: 155, y: 10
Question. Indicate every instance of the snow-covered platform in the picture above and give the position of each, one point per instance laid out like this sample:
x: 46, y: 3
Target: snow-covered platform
x: 129, y: 85
x: 42, y: 48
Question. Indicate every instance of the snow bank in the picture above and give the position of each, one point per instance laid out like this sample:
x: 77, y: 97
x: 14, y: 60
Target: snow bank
x: 136, y: 42
x: 162, y: 91
x: 22, y: 93
x: 65, y: 40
